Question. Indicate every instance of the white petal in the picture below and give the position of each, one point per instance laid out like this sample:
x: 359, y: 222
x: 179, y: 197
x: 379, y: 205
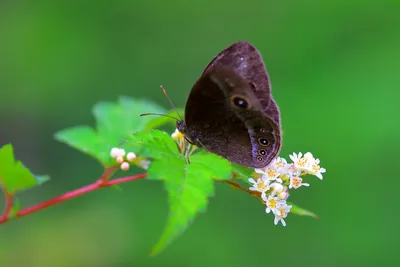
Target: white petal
x: 305, y: 184
x: 259, y: 170
x: 283, y: 222
x: 267, y: 210
x: 251, y: 180
x: 276, y: 220
x: 264, y: 196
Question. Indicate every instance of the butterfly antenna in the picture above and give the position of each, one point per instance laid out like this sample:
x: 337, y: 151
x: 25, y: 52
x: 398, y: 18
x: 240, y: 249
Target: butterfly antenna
x: 158, y: 114
x: 169, y: 99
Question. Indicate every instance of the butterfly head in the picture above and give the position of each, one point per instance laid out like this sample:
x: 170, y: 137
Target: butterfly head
x: 181, y: 126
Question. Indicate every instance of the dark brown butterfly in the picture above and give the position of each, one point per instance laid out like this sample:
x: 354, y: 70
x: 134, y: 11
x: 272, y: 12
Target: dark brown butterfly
x: 230, y: 110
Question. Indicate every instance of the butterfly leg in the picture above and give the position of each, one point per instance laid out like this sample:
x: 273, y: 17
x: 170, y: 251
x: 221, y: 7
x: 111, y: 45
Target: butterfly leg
x: 186, y: 146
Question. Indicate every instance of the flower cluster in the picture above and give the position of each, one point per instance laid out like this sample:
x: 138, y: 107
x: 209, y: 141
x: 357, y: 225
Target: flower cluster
x: 122, y: 158
x: 275, y: 180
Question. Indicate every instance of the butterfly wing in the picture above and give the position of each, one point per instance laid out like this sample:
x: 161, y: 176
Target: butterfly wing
x: 247, y: 62
x: 224, y: 116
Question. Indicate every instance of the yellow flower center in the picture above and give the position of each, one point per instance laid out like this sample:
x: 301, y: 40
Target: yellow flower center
x: 296, y: 182
x: 316, y: 168
x: 271, y: 173
x: 302, y: 162
x: 282, y: 212
x: 261, y: 186
x: 272, y: 203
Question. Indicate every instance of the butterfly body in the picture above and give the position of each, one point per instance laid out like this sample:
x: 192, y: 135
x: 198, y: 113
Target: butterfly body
x: 230, y: 111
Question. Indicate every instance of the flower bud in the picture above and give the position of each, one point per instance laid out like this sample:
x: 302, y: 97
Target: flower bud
x: 131, y: 156
x: 283, y: 195
x: 121, y: 152
x: 277, y: 187
x: 125, y: 166
x: 120, y: 159
x: 114, y: 152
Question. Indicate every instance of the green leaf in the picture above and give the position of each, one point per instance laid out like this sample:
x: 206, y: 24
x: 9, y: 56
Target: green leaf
x: 158, y: 121
x: 154, y: 144
x: 14, y: 176
x: 114, y: 122
x: 242, y: 172
x: 42, y: 178
x: 303, y: 212
x: 188, y: 185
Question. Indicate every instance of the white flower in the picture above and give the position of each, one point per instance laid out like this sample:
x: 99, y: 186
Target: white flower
x: 281, y: 212
x: 316, y: 170
x: 280, y: 163
x: 272, y: 203
x: 301, y: 163
x: 269, y: 173
x: 261, y: 185
x: 309, y: 157
x: 296, y: 182
x: 277, y: 187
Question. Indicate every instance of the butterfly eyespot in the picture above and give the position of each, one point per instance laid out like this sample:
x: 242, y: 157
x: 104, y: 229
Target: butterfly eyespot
x: 263, y: 141
x: 259, y: 158
x: 262, y: 152
x: 239, y: 102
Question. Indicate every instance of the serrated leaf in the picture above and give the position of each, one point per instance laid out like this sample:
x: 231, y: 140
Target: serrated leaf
x: 159, y: 121
x: 14, y: 176
x: 221, y: 168
x: 154, y: 144
x: 188, y: 185
x: 114, y: 122
x: 303, y: 212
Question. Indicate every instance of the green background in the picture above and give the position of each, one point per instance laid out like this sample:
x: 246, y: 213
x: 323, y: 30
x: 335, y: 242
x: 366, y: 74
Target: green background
x: 334, y: 67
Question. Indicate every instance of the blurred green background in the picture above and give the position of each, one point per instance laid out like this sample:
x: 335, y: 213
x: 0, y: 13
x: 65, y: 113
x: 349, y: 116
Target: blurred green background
x: 334, y: 67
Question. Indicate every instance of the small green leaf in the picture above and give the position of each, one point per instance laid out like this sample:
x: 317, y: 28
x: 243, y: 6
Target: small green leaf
x: 42, y: 178
x: 115, y: 121
x: 14, y: 176
x: 303, y: 212
x: 188, y: 185
x: 154, y: 144
x: 241, y: 172
x: 158, y: 121
x: 220, y: 168
x: 86, y: 140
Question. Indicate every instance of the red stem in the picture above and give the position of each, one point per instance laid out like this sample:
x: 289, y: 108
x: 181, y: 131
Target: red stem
x: 9, y: 202
x: 100, y: 183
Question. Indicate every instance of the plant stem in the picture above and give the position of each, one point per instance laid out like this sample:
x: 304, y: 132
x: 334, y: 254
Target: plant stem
x: 100, y: 183
x: 238, y: 186
x: 9, y: 202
